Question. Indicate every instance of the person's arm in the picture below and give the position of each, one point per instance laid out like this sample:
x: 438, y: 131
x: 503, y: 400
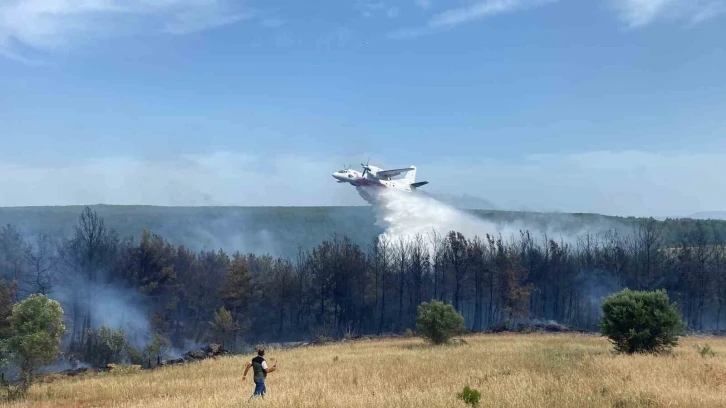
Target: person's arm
x: 244, y: 376
x: 268, y: 370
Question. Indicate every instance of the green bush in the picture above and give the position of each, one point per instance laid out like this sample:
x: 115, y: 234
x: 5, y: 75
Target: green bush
x: 705, y: 351
x: 36, y: 327
x: 641, y: 322
x: 438, y: 322
x: 135, y: 356
x: 100, y: 347
x: 156, y: 351
x: 470, y: 396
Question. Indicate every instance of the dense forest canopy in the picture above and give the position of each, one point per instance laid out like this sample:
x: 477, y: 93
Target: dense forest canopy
x: 155, y: 289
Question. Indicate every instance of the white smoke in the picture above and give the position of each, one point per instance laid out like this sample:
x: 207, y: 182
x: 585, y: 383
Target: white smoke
x: 114, y: 307
x: 405, y: 215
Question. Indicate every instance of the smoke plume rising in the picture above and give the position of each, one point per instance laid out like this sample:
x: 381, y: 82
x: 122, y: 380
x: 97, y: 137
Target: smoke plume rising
x: 112, y: 306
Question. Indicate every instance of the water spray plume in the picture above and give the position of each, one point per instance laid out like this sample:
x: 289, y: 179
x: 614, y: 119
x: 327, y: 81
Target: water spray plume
x: 405, y: 215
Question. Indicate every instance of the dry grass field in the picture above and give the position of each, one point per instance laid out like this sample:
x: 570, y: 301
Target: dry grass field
x: 511, y: 370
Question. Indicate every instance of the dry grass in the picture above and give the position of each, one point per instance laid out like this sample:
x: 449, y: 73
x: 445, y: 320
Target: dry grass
x: 511, y: 370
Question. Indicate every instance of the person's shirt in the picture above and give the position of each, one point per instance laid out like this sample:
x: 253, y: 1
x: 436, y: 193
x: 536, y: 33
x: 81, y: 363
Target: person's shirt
x: 259, y: 365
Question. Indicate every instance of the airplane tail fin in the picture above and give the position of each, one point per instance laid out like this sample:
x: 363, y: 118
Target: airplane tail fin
x: 411, y: 175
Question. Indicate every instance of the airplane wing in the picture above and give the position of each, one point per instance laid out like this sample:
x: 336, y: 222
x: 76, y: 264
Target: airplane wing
x: 393, y: 173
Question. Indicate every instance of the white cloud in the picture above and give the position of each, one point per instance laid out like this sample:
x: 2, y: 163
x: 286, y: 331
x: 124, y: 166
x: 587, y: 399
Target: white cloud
x: 639, y: 13
x: 424, y: 4
x: 46, y: 25
x: 476, y: 11
x: 195, y: 20
x: 369, y: 8
x: 620, y: 183
x: 483, y: 9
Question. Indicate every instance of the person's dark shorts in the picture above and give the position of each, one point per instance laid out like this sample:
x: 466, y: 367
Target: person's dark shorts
x: 260, y: 388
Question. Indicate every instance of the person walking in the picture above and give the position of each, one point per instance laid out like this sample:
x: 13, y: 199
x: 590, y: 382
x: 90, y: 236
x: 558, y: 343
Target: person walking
x: 260, y: 370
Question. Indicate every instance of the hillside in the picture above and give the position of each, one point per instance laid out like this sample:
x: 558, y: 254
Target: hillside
x: 281, y: 230
x: 274, y: 230
x: 511, y: 370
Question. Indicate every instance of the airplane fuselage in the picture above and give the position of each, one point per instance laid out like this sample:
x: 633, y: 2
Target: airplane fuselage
x: 357, y: 179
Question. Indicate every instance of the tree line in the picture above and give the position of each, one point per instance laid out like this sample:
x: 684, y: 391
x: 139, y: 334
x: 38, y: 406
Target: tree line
x: 340, y: 287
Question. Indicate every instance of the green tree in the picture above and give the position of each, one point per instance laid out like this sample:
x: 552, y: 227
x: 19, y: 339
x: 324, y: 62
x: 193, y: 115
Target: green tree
x: 223, y: 325
x: 236, y: 291
x: 237, y: 287
x: 641, y: 321
x: 438, y: 321
x: 12, y: 263
x: 7, y: 294
x: 36, y: 326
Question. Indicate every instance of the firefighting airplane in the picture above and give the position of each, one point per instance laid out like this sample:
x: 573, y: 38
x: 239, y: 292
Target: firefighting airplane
x: 373, y: 176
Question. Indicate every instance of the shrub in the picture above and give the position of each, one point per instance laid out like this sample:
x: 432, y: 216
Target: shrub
x: 438, y: 321
x: 705, y: 351
x: 470, y: 396
x: 36, y: 328
x: 135, y: 356
x: 641, y: 322
x: 409, y: 333
x: 101, y: 347
x: 323, y: 339
x: 156, y: 351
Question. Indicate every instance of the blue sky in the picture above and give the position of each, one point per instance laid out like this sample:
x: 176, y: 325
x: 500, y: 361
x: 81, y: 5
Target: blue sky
x: 611, y: 106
